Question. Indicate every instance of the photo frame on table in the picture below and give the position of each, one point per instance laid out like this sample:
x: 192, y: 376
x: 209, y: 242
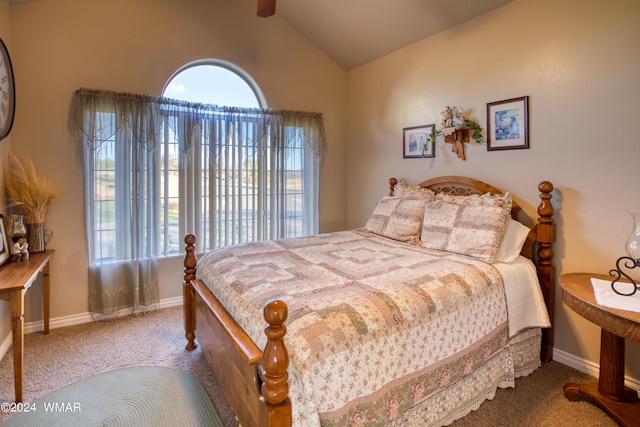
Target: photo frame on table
x: 5, y: 250
x: 413, y: 140
x: 508, y: 124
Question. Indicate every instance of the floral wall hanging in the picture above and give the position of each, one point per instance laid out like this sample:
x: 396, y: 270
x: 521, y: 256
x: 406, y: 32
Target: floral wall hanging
x: 455, y: 129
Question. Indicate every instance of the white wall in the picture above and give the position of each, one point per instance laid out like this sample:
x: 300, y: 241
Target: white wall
x: 578, y: 62
x: 135, y: 46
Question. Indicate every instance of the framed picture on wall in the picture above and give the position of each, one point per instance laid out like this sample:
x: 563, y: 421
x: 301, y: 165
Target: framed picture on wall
x: 416, y: 142
x: 5, y: 251
x: 508, y: 124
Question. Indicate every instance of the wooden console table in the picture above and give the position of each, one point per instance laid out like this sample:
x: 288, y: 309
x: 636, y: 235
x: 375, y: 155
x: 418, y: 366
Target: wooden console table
x: 15, y: 280
x: 610, y: 392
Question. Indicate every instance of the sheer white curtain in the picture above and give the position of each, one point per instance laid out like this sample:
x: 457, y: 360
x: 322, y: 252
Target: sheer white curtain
x: 261, y: 177
x: 242, y: 175
x: 123, y: 132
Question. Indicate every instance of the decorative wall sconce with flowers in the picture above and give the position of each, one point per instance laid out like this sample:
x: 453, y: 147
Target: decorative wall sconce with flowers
x: 455, y: 129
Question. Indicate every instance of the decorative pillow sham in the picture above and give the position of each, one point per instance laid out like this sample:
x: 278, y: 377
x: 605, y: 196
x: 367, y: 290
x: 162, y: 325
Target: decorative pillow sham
x: 487, y: 199
x: 515, y: 234
x: 474, y: 229
x: 405, y: 190
x: 398, y: 218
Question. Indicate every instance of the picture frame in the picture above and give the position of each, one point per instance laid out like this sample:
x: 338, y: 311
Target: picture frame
x: 508, y: 124
x: 413, y: 139
x: 5, y: 250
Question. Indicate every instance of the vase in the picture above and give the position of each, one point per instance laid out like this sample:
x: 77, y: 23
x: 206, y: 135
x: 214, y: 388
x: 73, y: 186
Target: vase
x: 36, y: 237
x: 17, y: 228
x: 633, y: 243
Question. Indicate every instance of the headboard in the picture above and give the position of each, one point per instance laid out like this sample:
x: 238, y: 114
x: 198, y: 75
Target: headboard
x: 459, y: 186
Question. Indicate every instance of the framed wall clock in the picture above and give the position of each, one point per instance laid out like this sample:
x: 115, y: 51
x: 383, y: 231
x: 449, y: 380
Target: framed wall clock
x: 7, y: 92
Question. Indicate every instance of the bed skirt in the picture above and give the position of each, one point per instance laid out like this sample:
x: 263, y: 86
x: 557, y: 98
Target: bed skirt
x: 520, y: 358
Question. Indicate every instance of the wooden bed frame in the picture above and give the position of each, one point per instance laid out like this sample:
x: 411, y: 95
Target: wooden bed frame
x: 255, y: 380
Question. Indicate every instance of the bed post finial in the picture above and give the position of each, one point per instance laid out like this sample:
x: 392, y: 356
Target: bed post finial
x: 188, y: 292
x: 546, y: 227
x: 275, y: 358
x: 392, y: 186
x: 190, y: 258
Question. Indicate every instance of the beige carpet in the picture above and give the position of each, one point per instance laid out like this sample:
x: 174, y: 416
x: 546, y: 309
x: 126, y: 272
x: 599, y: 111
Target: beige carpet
x: 72, y: 353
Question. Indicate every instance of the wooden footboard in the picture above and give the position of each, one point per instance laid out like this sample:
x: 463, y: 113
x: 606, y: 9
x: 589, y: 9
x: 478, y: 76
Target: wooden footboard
x: 254, y: 380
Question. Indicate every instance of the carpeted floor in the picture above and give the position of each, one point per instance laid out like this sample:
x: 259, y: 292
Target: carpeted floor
x: 72, y: 353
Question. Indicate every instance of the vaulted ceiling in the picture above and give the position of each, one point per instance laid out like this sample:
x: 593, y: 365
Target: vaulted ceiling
x: 354, y: 32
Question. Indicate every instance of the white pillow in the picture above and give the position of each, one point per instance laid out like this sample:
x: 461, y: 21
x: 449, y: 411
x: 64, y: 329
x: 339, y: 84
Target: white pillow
x: 515, y: 234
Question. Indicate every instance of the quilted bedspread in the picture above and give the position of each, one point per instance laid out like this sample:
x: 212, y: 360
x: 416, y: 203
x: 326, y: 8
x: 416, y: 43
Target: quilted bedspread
x: 374, y: 324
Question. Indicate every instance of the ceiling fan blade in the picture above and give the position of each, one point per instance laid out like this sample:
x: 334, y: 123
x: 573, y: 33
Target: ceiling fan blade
x: 266, y: 8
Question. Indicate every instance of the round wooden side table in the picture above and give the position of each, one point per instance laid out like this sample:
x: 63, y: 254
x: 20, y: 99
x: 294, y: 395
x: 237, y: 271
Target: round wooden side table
x: 609, y: 392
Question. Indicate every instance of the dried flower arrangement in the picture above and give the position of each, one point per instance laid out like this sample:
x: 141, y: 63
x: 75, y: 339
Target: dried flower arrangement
x: 32, y: 193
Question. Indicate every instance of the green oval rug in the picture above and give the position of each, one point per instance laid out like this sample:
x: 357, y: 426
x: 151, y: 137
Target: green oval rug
x: 137, y: 396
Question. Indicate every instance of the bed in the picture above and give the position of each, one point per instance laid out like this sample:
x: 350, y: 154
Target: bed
x: 414, y: 319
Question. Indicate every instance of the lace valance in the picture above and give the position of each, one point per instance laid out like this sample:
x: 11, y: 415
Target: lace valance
x: 99, y: 115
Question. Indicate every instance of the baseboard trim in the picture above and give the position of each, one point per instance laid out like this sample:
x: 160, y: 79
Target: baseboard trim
x: 588, y: 367
x: 76, y: 319
x: 171, y: 302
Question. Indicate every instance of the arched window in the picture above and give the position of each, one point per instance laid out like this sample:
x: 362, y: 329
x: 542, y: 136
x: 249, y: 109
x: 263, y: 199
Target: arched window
x: 217, y: 163
x: 157, y: 168
x: 242, y: 191
x: 214, y: 82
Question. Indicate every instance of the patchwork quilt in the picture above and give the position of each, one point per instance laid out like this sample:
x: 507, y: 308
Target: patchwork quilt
x: 374, y: 324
